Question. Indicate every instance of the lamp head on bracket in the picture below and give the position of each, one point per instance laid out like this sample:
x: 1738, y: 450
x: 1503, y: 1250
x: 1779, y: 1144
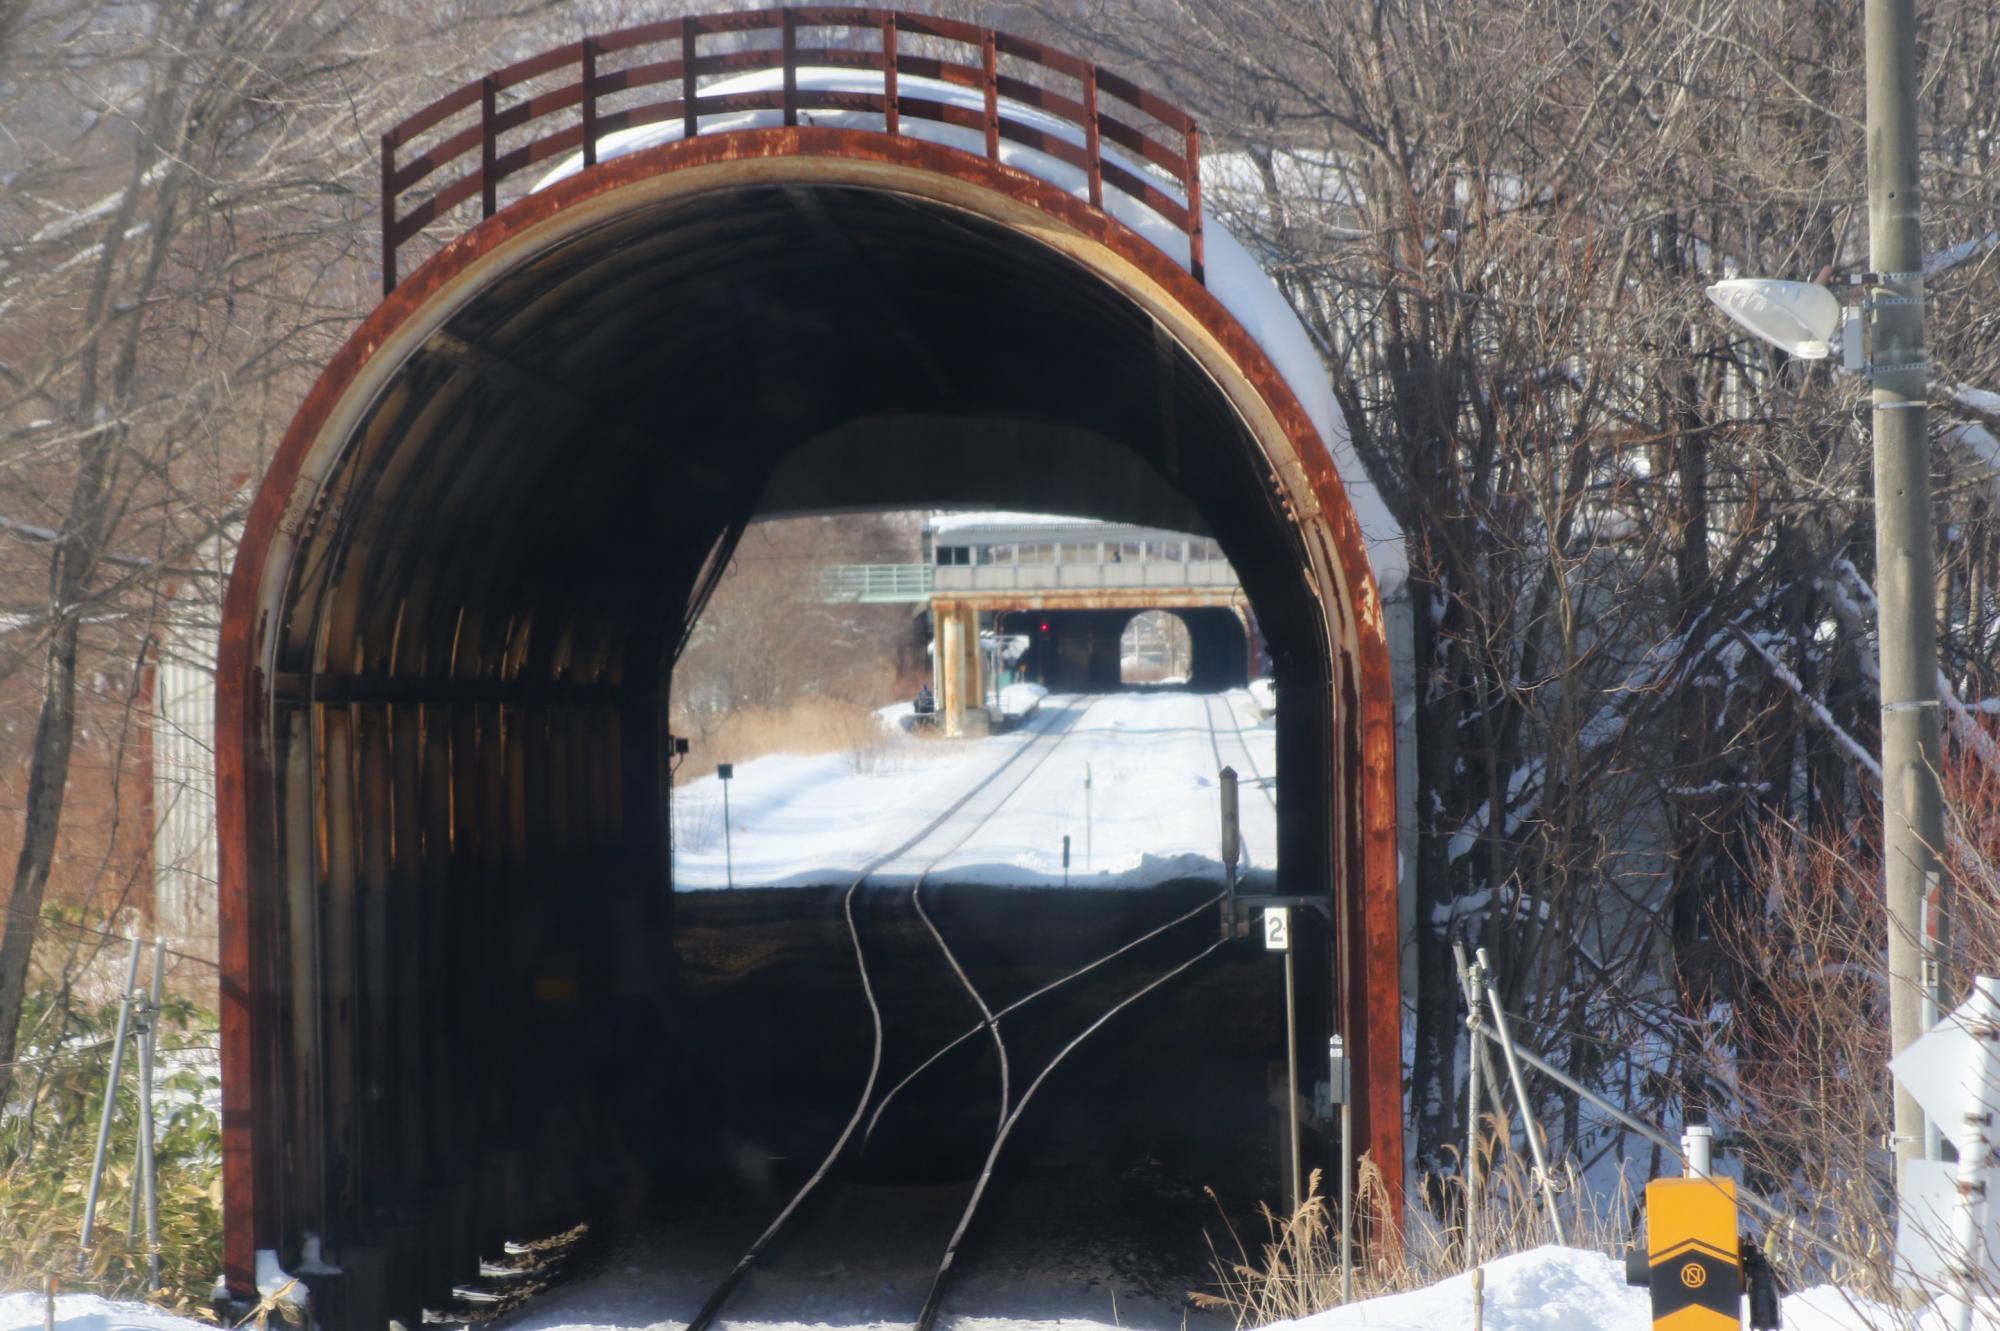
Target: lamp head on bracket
x: 1801, y: 318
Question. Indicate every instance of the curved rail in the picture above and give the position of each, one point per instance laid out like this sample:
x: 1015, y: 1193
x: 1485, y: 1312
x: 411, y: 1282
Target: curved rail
x: 1011, y: 1110
x: 1243, y: 745
x: 991, y: 1020
x: 721, y: 1294
x: 565, y: 101
x: 934, y: 1299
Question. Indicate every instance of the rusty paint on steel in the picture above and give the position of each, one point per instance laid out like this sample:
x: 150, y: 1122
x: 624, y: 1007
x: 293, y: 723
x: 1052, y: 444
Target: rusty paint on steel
x: 1180, y: 160
x: 1040, y: 212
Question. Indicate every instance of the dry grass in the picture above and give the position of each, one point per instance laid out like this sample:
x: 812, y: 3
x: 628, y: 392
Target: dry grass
x: 809, y: 725
x: 1295, y: 1271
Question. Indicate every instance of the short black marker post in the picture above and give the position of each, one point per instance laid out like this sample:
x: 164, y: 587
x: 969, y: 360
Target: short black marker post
x: 724, y: 772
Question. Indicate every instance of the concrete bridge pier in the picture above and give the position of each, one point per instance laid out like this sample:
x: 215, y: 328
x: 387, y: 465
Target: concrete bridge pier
x: 961, y: 675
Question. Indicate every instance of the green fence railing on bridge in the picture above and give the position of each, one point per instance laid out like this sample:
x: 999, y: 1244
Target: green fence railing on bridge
x: 875, y: 584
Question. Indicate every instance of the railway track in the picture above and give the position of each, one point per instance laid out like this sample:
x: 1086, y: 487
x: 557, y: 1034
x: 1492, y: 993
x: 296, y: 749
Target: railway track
x: 931, y: 846
x: 955, y: 825
x: 1250, y: 772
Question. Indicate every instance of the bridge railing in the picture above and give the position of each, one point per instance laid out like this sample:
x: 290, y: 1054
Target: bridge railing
x: 563, y: 102
x: 1147, y: 575
x: 874, y: 584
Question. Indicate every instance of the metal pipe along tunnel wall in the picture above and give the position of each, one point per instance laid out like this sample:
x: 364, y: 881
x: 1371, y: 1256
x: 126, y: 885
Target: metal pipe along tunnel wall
x: 449, y: 636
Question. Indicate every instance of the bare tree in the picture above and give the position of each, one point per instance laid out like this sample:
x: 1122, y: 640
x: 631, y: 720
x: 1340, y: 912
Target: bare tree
x: 179, y: 250
x: 1640, y: 543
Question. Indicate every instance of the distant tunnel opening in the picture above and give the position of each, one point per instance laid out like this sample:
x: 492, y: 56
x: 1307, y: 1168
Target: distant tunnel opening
x: 1206, y: 648
x: 1154, y: 648
x: 460, y: 967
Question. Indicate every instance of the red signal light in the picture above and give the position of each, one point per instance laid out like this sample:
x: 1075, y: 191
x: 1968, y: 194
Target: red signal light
x: 1045, y: 626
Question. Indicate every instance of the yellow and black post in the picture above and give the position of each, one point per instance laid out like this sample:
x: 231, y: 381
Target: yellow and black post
x: 1693, y: 1259
x: 1697, y: 1266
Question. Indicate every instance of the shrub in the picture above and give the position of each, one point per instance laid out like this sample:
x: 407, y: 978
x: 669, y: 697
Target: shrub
x: 48, y: 1135
x: 1296, y: 1270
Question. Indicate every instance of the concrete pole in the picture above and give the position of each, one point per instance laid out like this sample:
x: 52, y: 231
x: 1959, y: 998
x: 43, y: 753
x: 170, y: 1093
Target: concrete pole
x: 1912, y: 803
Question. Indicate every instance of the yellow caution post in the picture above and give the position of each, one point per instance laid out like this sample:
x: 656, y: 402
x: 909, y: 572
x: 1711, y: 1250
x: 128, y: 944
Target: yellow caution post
x: 1693, y: 1259
x: 1696, y: 1265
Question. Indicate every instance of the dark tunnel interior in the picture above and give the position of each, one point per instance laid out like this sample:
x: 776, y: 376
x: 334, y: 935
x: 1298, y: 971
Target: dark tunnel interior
x: 1078, y: 650
x: 485, y: 610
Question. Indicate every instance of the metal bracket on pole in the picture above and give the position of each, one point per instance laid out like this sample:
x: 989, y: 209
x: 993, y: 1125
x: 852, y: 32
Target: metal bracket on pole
x: 1472, y: 984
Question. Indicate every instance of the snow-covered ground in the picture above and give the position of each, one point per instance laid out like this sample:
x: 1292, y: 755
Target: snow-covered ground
x: 1565, y: 1289
x: 1547, y: 1289
x: 1151, y: 811
x: 87, y: 1312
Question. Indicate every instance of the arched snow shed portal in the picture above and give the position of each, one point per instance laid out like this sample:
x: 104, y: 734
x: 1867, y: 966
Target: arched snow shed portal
x: 449, y: 634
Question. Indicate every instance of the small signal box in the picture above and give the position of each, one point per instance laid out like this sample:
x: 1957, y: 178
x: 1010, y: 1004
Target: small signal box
x: 1697, y: 1266
x: 1693, y: 1259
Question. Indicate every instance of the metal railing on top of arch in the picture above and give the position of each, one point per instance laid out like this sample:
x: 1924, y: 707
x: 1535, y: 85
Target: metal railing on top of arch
x: 507, y: 107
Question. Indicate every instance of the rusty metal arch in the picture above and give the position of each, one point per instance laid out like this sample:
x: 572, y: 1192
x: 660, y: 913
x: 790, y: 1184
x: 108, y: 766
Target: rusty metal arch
x: 1043, y: 215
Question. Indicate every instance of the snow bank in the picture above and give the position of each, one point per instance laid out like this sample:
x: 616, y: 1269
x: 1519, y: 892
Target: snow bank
x: 1020, y: 700
x: 1567, y: 1289
x: 88, y: 1312
x: 1546, y: 1289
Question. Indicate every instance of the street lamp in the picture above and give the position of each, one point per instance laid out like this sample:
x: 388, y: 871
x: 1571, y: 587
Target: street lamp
x: 1801, y: 317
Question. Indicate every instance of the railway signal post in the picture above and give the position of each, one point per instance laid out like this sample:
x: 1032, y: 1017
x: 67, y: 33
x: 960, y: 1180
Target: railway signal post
x: 724, y: 772
x: 1232, y: 849
x: 1696, y: 1266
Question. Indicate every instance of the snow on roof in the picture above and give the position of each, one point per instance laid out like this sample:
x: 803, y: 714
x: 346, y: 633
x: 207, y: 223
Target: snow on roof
x: 1001, y: 526
x: 947, y: 523
x: 1232, y: 275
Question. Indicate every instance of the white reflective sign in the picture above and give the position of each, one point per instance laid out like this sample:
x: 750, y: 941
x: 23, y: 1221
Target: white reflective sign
x: 1949, y: 1070
x: 1927, y: 1206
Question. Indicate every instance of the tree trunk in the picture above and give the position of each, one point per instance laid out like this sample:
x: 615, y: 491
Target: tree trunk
x: 55, y: 732
x: 74, y: 555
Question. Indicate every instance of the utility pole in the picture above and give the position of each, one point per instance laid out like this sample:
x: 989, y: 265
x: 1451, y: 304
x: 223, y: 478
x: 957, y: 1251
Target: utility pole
x: 1912, y: 802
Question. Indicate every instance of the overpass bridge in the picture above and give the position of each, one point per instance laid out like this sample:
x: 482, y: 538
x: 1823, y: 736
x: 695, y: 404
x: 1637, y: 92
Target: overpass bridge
x: 1072, y: 585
